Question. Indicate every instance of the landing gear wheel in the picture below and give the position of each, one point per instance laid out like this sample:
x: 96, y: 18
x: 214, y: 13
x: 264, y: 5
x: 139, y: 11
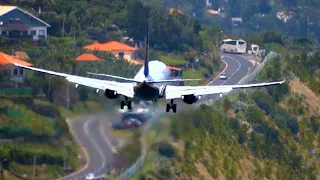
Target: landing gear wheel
x: 125, y: 102
x: 171, y: 106
x: 129, y: 104
x: 168, y: 108
x: 174, y: 108
x: 122, y: 104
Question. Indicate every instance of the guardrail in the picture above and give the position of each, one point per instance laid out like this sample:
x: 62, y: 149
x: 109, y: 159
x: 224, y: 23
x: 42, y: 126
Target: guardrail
x: 135, y: 167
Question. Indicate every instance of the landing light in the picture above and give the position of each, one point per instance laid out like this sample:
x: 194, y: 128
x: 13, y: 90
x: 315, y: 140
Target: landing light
x: 97, y: 90
x: 221, y: 95
x: 77, y: 85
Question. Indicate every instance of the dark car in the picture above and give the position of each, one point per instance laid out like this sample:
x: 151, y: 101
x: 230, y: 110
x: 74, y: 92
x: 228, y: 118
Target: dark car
x: 126, y: 123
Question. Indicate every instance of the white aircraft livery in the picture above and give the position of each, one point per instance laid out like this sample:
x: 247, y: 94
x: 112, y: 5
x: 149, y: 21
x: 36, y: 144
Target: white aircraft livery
x: 149, y: 84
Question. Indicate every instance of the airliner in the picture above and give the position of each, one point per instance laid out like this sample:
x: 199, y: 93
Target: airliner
x: 149, y: 84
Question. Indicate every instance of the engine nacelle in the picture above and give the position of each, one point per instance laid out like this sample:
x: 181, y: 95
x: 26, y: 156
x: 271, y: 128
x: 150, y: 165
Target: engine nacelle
x: 111, y: 94
x: 190, y: 99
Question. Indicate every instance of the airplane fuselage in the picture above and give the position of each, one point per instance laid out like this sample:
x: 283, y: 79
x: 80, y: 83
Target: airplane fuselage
x: 147, y: 91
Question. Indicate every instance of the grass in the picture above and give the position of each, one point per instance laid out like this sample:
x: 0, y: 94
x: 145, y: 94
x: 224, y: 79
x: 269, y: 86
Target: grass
x: 173, y: 59
x: 194, y: 74
x: 153, y: 136
x: 42, y: 171
x: 81, y: 108
x: 25, y: 118
x: 148, y: 164
x: 124, y: 133
x: 310, y: 97
x: 78, y: 109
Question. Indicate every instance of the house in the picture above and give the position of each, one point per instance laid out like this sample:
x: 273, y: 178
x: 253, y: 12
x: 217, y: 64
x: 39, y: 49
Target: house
x: 118, y: 49
x: 15, y: 74
x: 236, y: 21
x: 16, y: 23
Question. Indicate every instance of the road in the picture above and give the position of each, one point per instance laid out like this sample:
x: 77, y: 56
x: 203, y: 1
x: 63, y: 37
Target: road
x: 90, y: 131
x: 237, y: 67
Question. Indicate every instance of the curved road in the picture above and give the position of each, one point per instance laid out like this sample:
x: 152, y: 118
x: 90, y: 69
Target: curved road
x: 237, y: 67
x: 93, y: 134
x: 90, y: 131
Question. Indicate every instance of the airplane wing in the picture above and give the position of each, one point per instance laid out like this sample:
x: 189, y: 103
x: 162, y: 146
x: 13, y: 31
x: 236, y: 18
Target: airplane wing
x: 125, y: 89
x: 174, y: 92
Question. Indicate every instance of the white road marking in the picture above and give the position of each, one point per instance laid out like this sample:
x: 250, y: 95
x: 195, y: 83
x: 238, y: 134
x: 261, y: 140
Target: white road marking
x: 220, y: 72
x: 106, y: 139
x: 95, y: 144
x: 85, y: 151
x: 235, y: 71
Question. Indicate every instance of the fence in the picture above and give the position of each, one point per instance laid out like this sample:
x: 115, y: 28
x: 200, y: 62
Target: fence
x: 135, y: 167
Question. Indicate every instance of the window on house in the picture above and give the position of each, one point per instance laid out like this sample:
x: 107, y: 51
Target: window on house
x: 15, y: 71
x: 33, y: 32
x: 121, y: 54
x: 11, y: 20
x: 4, y: 33
x: 41, y: 32
x: 21, y: 71
x: 17, y: 19
x: 25, y: 33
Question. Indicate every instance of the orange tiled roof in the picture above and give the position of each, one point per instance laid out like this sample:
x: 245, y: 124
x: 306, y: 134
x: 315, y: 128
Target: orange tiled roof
x: 109, y: 46
x: 21, y: 55
x: 210, y: 11
x: 174, y: 68
x: 7, y: 59
x: 87, y: 57
x: 175, y: 10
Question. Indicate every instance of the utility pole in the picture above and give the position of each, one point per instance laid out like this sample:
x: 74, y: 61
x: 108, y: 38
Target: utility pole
x: 68, y: 94
x: 34, y: 166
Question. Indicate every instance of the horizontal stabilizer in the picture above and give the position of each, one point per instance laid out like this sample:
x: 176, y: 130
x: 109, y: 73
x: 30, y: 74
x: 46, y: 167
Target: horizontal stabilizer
x: 173, y: 80
x: 116, y: 77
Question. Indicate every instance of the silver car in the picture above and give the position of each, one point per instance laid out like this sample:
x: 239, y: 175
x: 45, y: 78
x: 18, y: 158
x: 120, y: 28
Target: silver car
x: 223, y: 76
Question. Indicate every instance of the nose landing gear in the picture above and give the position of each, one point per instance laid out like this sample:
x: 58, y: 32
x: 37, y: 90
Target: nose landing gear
x: 125, y: 102
x: 171, y: 106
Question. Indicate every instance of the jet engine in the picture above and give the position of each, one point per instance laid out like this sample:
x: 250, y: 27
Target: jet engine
x: 190, y: 99
x: 111, y: 94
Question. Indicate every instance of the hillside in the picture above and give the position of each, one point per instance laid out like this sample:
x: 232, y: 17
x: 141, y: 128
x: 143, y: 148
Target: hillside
x: 268, y: 133
x: 33, y: 127
x: 293, y: 18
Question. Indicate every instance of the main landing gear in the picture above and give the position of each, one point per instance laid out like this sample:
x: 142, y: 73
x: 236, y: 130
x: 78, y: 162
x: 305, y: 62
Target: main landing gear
x: 125, y: 102
x: 171, y: 106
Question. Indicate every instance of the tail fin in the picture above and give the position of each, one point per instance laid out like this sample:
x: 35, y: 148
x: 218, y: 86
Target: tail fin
x: 146, y: 60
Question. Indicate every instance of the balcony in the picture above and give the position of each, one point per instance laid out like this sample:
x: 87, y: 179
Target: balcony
x: 16, y: 34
